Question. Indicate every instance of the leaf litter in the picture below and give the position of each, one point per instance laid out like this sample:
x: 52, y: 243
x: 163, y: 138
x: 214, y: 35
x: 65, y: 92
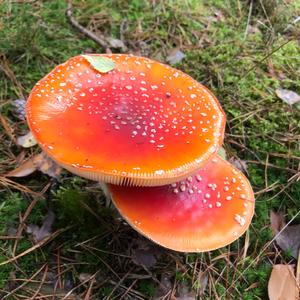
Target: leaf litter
x: 239, y: 164
x: 27, y: 140
x: 19, y: 108
x: 41, y: 162
x: 146, y: 254
x: 185, y: 293
x: 282, y: 284
x: 144, y: 257
x: 175, y: 56
x: 39, y: 233
x: 288, y: 239
x: 288, y: 96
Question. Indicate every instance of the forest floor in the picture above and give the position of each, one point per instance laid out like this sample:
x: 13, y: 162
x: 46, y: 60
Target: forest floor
x: 244, y: 51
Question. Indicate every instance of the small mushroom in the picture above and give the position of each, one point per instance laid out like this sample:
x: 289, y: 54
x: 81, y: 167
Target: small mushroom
x: 142, y: 123
x: 206, y: 211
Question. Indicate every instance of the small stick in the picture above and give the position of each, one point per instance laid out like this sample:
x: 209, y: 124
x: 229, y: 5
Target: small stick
x: 97, y: 39
x: 248, y: 20
x: 36, y: 246
x: 298, y: 272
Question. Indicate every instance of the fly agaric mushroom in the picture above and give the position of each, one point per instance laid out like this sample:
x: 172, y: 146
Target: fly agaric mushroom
x: 206, y: 211
x: 139, y: 122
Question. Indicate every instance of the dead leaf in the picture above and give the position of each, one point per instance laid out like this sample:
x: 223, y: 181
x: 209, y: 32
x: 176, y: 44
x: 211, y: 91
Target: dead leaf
x: 289, y: 238
x: 164, y: 287
x: 85, y: 277
x: 253, y: 29
x: 8, y: 128
x: 277, y: 221
x: 144, y: 257
x: 26, y: 140
x: 41, y: 162
x: 19, y: 108
x: 175, y: 56
x: 288, y: 96
x: 39, y: 233
x: 282, y: 284
x: 203, y: 281
x: 24, y: 169
x: 239, y: 164
x: 185, y: 292
x: 216, y: 17
x: 47, y: 289
x: 278, y: 74
x: 298, y: 270
x: 116, y: 43
x: 46, y: 165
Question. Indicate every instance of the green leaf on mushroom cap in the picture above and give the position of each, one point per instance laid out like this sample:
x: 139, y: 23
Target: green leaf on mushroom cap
x: 100, y: 63
x: 222, y: 153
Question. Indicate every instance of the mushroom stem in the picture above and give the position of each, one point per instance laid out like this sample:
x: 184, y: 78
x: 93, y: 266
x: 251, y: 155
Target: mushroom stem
x: 105, y: 189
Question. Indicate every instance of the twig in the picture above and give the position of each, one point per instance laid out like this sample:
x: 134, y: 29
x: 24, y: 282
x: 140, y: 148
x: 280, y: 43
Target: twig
x: 298, y: 270
x: 271, y: 166
x: 96, y: 38
x: 264, y: 58
x: 24, y: 283
x: 79, y: 285
x: 36, y: 246
x: 248, y: 19
x: 8, y: 130
x: 8, y: 237
x: 22, y: 222
x: 41, y: 284
x: 12, y: 184
x: 89, y: 291
x: 5, y: 67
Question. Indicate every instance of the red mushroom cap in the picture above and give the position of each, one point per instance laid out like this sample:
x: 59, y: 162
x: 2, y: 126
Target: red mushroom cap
x: 142, y: 123
x: 208, y: 210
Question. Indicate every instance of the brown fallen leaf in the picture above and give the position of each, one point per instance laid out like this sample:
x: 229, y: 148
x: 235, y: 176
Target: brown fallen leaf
x: 203, y: 281
x: 85, y: 277
x: 24, y: 169
x: 253, y: 29
x: 239, y: 164
x: 41, y: 162
x: 116, y: 43
x: 145, y: 253
x: 216, y: 17
x: 39, y: 233
x: 277, y: 221
x: 175, y: 56
x: 144, y: 257
x: 185, y: 292
x: 47, y: 289
x: 287, y: 239
x: 288, y: 96
x: 19, y: 108
x: 282, y: 283
x: 46, y: 165
x: 164, y: 288
x: 26, y: 140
